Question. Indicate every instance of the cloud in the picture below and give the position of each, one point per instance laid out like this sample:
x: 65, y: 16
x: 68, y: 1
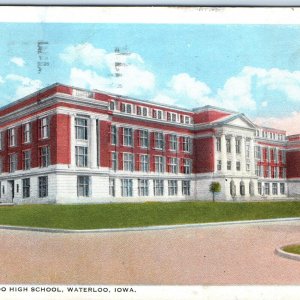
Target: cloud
x: 1, y: 80
x: 164, y: 99
x: 25, y: 85
x: 19, y: 61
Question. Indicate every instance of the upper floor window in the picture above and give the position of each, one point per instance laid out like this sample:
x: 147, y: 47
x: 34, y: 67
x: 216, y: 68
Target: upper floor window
x: 127, y: 139
x: 247, y: 150
x: 27, y: 133
x: 144, y: 138
x: 81, y: 154
x: 186, y: 144
x: 157, y: 114
x: 159, y: 164
x: 114, y: 161
x: 187, y: 120
x: 44, y: 127
x: 173, y: 142
x: 144, y: 163
x: 218, y: 143
x: 13, y: 162
x: 187, y: 166
x: 44, y: 156
x: 238, y: 146
x: 26, y: 160
x: 142, y: 111
x: 12, y: 137
x: 173, y: 165
x: 113, y: 135
x: 158, y: 140
x: 81, y: 128
x: 228, y: 145
x: 126, y: 107
x: 112, y: 105
x: 128, y: 162
x: 171, y: 117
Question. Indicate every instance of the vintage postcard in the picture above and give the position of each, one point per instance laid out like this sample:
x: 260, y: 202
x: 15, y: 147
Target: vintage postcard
x: 149, y: 153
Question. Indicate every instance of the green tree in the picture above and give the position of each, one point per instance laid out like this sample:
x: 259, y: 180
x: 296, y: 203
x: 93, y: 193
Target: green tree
x: 215, y: 187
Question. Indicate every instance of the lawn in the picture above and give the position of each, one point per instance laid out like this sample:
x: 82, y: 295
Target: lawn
x: 295, y: 249
x: 141, y: 214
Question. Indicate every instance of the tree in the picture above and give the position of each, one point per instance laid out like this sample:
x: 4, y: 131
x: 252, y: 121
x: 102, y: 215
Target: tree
x: 215, y: 187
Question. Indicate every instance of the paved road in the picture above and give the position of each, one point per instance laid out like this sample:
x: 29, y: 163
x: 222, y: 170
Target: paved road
x: 233, y: 254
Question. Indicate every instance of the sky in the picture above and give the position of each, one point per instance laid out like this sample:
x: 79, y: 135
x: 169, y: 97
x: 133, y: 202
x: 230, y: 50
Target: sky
x: 253, y: 69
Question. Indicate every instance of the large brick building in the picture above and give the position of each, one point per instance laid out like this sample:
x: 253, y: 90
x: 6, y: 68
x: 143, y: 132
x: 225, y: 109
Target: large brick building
x: 64, y: 144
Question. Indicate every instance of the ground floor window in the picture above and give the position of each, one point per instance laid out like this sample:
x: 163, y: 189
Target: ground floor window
x: 26, y: 187
x: 143, y: 186
x: 267, y: 188
x: 242, y: 188
x: 186, y: 187
x: 158, y: 186
x: 282, y: 188
x: 274, y: 188
x: 259, y: 188
x: 112, y: 187
x: 43, y: 186
x: 127, y: 188
x: 172, y: 187
x: 83, y: 186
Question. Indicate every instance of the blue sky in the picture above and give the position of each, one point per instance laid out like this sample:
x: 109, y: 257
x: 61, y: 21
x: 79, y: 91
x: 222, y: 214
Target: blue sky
x: 254, y: 69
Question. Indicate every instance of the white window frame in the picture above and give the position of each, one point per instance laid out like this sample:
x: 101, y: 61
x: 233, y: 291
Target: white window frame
x: 81, y: 128
x: 128, y: 161
x: 144, y: 138
x: 158, y: 187
x: 158, y: 140
x: 186, y: 187
x: 144, y: 163
x: 187, y: 166
x: 159, y: 164
x: 26, y: 159
x: 126, y: 187
x: 13, y: 162
x: 44, y: 156
x: 113, y: 135
x: 187, y: 144
x: 173, y: 142
x: 12, y: 137
x: 45, y: 127
x: 112, y: 187
x: 172, y: 187
x: 25, y: 187
x: 43, y: 186
x: 27, y: 132
x: 83, y: 186
x: 127, y: 137
x: 143, y: 187
x: 81, y: 156
x: 114, y: 161
x: 173, y: 165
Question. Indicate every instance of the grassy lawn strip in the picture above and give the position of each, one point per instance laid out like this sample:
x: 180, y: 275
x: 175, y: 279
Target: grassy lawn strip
x: 142, y: 214
x: 295, y: 249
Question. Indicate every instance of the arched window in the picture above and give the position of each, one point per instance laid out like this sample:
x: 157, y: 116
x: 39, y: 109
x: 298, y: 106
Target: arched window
x: 251, y: 188
x: 242, y: 188
x: 232, y: 188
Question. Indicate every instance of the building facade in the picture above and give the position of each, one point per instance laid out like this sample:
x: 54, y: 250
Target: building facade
x: 68, y: 145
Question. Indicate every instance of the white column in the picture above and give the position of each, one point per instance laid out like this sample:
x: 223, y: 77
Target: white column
x: 223, y: 153
x: 93, y: 143
x: 233, y: 154
x: 252, y: 158
x: 72, y: 130
x: 151, y: 191
x: 243, y: 155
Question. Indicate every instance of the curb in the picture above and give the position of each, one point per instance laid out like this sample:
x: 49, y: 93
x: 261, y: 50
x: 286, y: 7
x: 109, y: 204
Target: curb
x: 284, y: 254
x: 148, y: 228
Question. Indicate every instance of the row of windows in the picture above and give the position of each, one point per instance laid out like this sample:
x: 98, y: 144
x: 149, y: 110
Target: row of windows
x: 270, y: 171
x: 44, y: 130
x: 44, y: 159
x: 170, y: 164
x: 143, y: 187
x: 154, y: 113
x: 143, y: 140
x: 270, y: 154
x: 238, y: 144
x: 270, y: 135
x: 229, y: 165
x: 265, y: 189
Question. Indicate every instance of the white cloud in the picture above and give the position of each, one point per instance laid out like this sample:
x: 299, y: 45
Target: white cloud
x: 1, y: 80
x: 264, y: 104
x: 19, y: 61
x: 164, y: 99
x: 25, y: 85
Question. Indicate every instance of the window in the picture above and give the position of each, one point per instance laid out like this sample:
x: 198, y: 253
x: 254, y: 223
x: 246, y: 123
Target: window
x: 114, y: 161
x: 275, y: 155
x: 173, y: 165
x: 242, y: 188
x: 81, y: 129
x: 1, y: 140
x: 13, y: 162
x: 259, y: 188
x: 158, y: 187
x: 157, y: 114
x: 26, y: 160
x: 128, y: 162
x: 128, y: 108
x: 228, y: 165
x: 173, y: 142
x: 186, y: 144
x: 282, y: 188
x: 276, y: 172
x: 127, y: 141
x: 145, y: 111
x: 257, y: 170
x: 44, y: 156
x: 186, y: 187
x: 83, y: 183
x: 218, y: 144
x: 144, y: 163
x: 143, y: 187
x: 159, y: 164
x: 27, y: 133
x: 238, y: 146
x: 158, y: 140
x: 187, y: 120
x: 257, y: 152
x: 26, y: 187
x: 173, y: 117
x: 172, y: 187
x: 12, y: 137
x: 126, y: 188
x: 112, y: 105
x: 187, y: 166
x: 238, y: 166
x: 81, y: 154
x: 44, y: 127
x: 113, y: 135
x: 283, y: 156
x: 274, y: 188
x: 43, y: 186
x: 247, y: 167
x: 144, y: 138
x: 267, y: 188
x: 268, y: 154
x: 247, y: 150
x: 112, y: 187
x: 228, y: 146
x: 219, y: 165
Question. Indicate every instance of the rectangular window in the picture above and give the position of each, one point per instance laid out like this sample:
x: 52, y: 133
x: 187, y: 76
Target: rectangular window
x: 126, y: 188
x: 114, y: 161
x: 157, y: 114
x: 238, y: 166
x: 268, y: 154
x: 27, y: 133
x: 145, y: 111
x: 44, y: 127
x: 112, y: 187
x: 282, y: 188
x: 128, y: 162
x: 144, y: 162
x: 172, y: 187
x: 247, y: 167
x: 143, y: 187
x: 144, y: 138
x: 275, y: 155
x: 228, y: 146
x: 187, y: 120
x: 13, y: 162
x: 238, y: 146
x: 112, y: 105
x: 219, y: 165
x: 43, y: 186
x: 186, y: 144
x: 12, y: 137
x: 283, y: 156
x: 187, y: 166
x: 26, y: 160
x: 247, y: 150
x: 81, y: 129
x: 113, y: 135
x: 274, y: 188
x: 259, y: 189
x: 81, y: 154
x: 127, y: 139
x: 44, y: 156
x: 228, y: 165
x: 128, y: 108
x: 186, y: 187
x: 218, y: 139
x: 159, y: 164
x: 173, y: 165
x: 257, y: 169
x: 158, y: 187
x: 83, y: 183
x: 173, y: 142
x: 158, y: 140
x: 26, y: 187
x: 267, y: 188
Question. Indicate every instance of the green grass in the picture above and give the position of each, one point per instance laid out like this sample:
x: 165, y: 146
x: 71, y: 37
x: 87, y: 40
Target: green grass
x: 295, y: 249
x: 142, y: 214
